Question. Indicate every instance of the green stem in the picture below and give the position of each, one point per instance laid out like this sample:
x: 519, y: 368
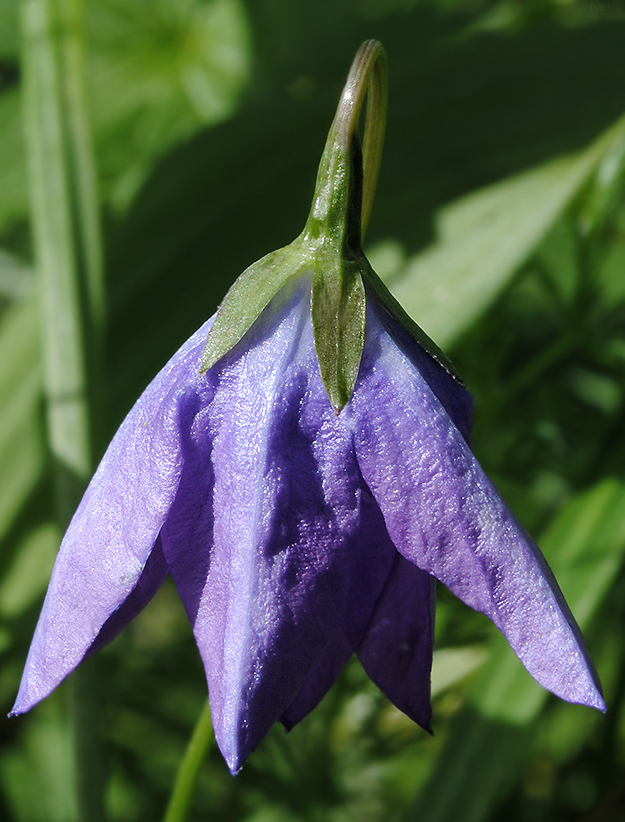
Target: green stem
x: 368, y: 77
x: 189, y: 769
x: 337, y: 208
x: 68, y: 251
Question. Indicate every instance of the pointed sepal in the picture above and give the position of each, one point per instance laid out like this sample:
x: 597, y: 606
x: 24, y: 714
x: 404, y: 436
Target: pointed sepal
x: 250, y: 295
x: 396, y: 311
x: 338, y: 316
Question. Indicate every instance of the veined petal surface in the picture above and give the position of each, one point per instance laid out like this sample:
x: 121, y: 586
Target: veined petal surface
x: 397, y: 649
x: 444, y: 515
x: 286, y: 505
x: 152, y: 576
x: 372, y: 557
x: 105, y: 550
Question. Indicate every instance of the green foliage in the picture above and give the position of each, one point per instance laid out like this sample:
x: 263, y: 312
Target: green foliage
x: 499, y: 225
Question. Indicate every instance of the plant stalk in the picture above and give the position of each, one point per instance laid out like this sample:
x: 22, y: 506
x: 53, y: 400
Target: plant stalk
x: 68, y: 250
x: 189, y: 770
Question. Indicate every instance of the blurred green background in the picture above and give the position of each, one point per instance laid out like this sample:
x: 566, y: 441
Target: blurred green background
x: 500, y: 225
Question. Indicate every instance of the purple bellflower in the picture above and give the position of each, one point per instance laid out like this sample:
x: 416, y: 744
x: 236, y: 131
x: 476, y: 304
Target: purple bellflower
x: 304, y: 490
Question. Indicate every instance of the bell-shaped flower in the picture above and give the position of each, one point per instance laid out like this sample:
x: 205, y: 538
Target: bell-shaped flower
x: 304, y: 489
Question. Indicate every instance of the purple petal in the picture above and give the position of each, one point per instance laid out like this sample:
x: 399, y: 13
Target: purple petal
x: 286, y: 506
x: 445, y: 516
x: 320, y: 679
x: 371, y: 556
x: 452, y: 395
x: 152, y: 577
x: 107, y: 545
x: 396, y: 651
x: 187, y: 536
x: 394, y: 632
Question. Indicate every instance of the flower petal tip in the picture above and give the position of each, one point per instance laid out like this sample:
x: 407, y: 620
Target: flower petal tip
x: 234, y: 753
x: 27, y: 698
x: 589, y: 697
x: 600, y: 705
x: 24, y: 703
x: 234, y: 766
x: 594, y: 699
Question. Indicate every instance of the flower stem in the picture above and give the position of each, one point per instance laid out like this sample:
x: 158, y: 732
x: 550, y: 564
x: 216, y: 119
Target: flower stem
x: 65, y: 220
x: 367, y: 76
x: 189, y: 769
x: 337, y: 222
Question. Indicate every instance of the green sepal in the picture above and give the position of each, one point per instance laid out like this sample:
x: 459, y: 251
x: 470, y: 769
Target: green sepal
x: 249, y: 295
x: 338, y: 293
x: 330, y: 248
x: 394, y: 308
x: 338, y: 319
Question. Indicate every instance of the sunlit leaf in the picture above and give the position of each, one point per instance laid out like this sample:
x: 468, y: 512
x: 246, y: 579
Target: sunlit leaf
x: 160, y: 72
x: 28, y: 576
x: 21, y: 444
x: 451, y: 665
x: 485, y: 237
x: 16, y: 278
x: 13, y: 184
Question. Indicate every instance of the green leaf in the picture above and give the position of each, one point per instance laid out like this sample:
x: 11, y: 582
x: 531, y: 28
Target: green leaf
x: 485, y: 237
x: 585, y: 545
x: 13, y: 182
x: 65, y: 219
x: 452, y: 665
x: 606, y: 190
x: 22, y: 451
x: 9, y: 29
x: 16, y: 278
x: 28, y: 576
x: 161, y: 71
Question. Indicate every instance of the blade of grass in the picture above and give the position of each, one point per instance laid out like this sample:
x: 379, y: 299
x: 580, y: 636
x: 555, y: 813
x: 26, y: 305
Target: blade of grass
x: 22, y: 451
x: 68, y: 252
x: 484, y: 239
